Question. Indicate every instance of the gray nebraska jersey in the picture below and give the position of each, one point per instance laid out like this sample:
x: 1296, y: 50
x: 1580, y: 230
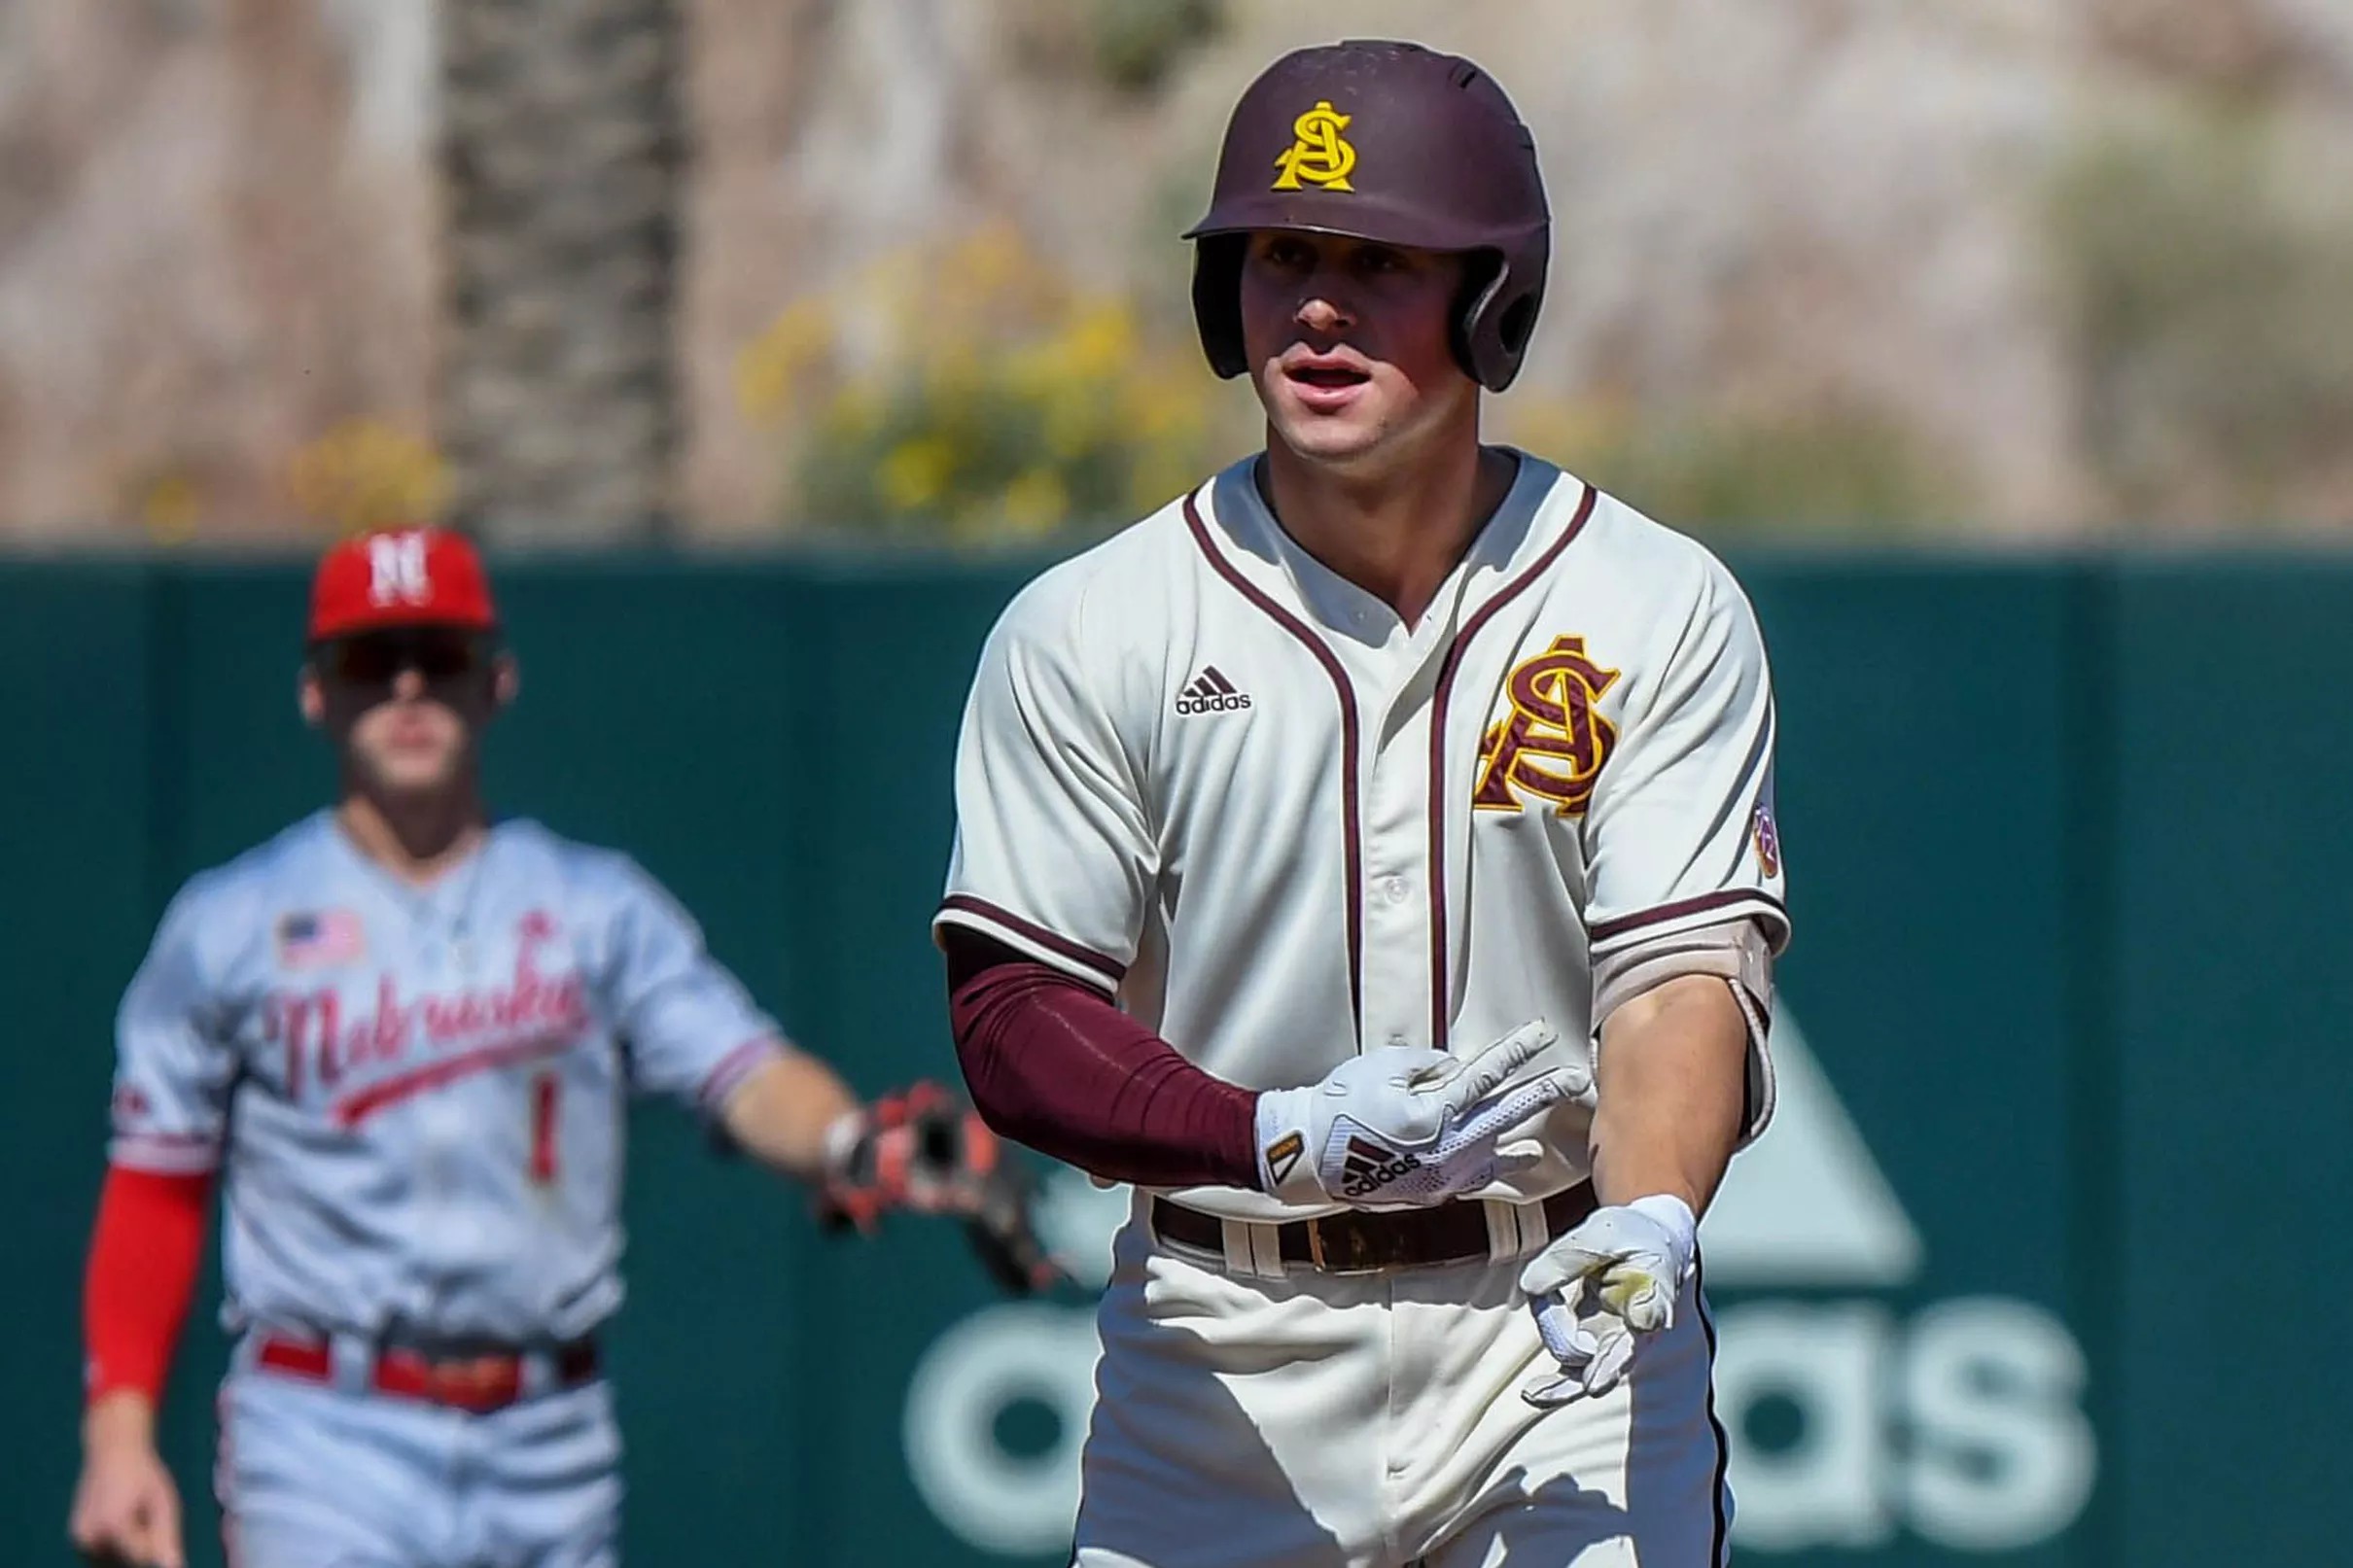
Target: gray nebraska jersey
x: 416, y: 1095
x: 1206, y: 772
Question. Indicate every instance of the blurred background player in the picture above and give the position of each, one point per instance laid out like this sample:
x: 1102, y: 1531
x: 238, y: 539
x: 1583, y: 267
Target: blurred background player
x: 1516, y: 741
x: 402, y: 1034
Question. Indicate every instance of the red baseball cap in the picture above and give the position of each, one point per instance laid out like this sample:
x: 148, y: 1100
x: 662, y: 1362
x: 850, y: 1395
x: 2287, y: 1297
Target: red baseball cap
x: 401, y: 577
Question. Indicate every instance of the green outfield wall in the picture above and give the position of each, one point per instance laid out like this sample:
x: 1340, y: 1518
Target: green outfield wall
x: 2042, y: 1265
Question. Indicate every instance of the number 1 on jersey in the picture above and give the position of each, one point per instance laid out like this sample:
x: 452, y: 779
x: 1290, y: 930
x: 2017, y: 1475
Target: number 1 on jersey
x: 543, y: 1087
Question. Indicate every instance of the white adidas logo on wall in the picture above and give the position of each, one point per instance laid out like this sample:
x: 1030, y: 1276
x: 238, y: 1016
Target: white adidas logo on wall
x: 1957, y: 1422
x: 1808, y: 1206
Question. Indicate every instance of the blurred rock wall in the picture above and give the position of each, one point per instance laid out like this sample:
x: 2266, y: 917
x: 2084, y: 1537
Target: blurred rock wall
x: 217, y: 226
x: 215, y: 244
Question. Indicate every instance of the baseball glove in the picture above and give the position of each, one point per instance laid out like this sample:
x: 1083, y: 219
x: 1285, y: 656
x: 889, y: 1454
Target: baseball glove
x: 926, y: 1152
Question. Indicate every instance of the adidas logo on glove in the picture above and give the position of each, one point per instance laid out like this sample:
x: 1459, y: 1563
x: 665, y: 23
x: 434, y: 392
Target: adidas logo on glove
x: 1406, y: 1125
x: 1369, y: 1168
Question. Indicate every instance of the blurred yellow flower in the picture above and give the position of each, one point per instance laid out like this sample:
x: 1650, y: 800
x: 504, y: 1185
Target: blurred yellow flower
x: 1165, y: 402
x: 367, y: 474
x: 970, y: 389
x: 1539, y: 422
x: 854, y: 413
x: 915, y: 473
x: 1100, y: 341
x: 168, y: 507
x: 1075, y: 421
x: 772, y: 364
x: 1037, y: 502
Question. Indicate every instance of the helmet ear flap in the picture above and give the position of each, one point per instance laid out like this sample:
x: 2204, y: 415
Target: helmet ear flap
x: 1493, y: 316
x: 1483, y: 275
x: 1217, y: 301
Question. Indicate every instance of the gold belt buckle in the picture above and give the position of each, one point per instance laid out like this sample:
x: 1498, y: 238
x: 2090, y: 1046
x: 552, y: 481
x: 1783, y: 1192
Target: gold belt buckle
x: 1356, y: 1263
x: 1315, y: 1246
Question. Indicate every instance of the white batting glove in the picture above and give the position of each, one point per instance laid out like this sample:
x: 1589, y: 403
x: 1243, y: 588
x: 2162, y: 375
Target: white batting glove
x: 1631, y: 1260
x: 1401, y: 1127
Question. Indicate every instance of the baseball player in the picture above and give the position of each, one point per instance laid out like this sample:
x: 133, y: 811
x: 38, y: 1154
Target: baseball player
x: 1371, y: 855
x: 402, y: 1034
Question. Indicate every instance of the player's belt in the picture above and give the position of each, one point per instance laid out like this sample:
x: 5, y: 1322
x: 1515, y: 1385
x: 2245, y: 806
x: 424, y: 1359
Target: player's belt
x: 479, y: 1383
x: 1364, y: 1243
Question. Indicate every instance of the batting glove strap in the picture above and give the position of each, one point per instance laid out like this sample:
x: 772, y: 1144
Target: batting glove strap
x: 1287, y: 1121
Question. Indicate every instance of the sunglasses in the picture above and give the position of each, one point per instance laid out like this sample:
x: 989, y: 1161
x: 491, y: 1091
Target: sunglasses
x: 378, y: 658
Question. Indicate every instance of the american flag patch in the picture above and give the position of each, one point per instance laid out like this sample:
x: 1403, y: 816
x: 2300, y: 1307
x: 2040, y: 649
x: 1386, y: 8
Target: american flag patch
x: 316, y: 939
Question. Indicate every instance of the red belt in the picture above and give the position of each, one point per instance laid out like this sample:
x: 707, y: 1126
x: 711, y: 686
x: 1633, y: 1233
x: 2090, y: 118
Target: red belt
x: 478, y: 1383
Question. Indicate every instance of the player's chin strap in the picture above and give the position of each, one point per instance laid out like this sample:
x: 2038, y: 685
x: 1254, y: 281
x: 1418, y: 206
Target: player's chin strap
x: 925, y: 1151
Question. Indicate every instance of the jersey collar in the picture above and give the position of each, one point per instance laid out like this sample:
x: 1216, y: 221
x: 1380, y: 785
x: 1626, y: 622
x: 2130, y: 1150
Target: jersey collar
x: 1523, y: 527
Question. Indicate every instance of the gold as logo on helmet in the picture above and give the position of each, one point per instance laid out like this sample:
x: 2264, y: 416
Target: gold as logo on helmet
x: 1320, y: 156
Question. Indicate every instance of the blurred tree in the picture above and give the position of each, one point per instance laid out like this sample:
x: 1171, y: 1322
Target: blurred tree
x: 971, y: 390
x: 1829, y: 467
x: 2211, y: 291
x: 561, y: 158
x: 1138, y: 43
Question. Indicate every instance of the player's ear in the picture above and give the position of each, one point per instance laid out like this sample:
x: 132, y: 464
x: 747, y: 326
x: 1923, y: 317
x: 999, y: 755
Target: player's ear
x: 309, y: 698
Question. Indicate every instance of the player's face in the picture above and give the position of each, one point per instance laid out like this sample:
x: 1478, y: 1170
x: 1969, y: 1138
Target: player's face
x: 404, y: 707
x: 1348, y: 343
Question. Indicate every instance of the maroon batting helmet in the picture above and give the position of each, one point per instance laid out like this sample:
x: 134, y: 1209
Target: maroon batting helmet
x: 1389, y: 142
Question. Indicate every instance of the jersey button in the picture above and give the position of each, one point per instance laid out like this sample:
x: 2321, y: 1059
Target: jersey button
x: 1396, y: 889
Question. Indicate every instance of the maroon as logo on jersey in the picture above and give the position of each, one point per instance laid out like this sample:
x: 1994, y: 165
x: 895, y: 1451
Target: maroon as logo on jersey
x: 1552, y: 743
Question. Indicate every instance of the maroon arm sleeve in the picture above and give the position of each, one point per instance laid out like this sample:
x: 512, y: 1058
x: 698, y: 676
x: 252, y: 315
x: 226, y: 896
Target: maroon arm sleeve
x: 1052, y: 1063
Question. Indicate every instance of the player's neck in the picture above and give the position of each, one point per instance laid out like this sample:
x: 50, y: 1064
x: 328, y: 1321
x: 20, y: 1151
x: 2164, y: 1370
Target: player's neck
x: 1396, y: 532
x: 415, y: 839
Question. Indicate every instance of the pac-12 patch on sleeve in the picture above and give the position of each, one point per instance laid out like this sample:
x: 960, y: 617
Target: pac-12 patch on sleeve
x: 1767, y: 839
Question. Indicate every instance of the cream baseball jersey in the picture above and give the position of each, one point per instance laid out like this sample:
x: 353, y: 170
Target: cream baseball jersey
x: 1202, y: 771
x: 416, y: 1094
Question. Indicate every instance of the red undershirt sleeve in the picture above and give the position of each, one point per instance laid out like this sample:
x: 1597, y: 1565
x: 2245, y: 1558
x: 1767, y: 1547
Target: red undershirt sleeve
x: 1052, y: 1063
x: 145, y: 1251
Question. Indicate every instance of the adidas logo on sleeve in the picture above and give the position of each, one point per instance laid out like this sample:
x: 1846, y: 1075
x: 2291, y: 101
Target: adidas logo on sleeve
x: 1211, y: 693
